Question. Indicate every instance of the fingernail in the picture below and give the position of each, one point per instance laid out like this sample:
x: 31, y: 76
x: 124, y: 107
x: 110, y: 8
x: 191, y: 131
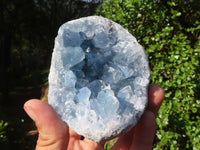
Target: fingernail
x: 30, y: 112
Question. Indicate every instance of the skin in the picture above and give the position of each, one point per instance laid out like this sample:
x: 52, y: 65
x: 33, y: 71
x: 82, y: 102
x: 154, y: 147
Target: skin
x: 55, y: 135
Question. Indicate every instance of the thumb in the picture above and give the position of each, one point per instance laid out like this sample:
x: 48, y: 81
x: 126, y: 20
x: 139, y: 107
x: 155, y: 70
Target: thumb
x: 53, y: 132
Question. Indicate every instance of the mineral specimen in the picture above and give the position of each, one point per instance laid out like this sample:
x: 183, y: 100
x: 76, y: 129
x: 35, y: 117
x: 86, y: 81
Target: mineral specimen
x: 99, y: 77
x: 93, y: 1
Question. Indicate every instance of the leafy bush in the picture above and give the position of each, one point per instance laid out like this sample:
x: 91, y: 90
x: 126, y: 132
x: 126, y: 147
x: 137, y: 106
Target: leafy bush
x: 170, y: 32
x: 3, y: 137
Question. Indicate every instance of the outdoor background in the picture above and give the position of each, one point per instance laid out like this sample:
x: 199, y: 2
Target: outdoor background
x: 169, y: 31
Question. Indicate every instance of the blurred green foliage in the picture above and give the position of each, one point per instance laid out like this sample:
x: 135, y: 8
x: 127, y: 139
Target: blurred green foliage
x: 170, y: 33
x: 3, y: 126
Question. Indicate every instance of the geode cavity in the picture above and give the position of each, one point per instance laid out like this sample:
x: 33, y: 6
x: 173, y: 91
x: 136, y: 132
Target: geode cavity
x: 99, y: 76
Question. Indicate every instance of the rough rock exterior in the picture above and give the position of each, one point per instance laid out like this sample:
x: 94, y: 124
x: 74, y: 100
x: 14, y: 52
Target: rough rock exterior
x: 99, y: 77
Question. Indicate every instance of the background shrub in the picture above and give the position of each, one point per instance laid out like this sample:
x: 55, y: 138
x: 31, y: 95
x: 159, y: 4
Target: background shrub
x: 170, y: 33
x: 3, y: 126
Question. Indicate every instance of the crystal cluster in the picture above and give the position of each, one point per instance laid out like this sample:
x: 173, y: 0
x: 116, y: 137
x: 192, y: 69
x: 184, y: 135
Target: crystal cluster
x: 99, y: 77
x: 93, y: 1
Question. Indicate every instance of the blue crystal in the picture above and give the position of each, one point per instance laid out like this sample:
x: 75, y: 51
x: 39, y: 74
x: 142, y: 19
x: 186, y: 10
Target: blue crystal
x: 93, y: 1
x: 99, y: 77
x: 84, y: 95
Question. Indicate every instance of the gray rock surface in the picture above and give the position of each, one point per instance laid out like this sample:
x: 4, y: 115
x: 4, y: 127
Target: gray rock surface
x: 99, y: 77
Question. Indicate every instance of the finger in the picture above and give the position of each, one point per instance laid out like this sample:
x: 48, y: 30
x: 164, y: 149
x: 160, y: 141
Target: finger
x: 74, y: 135
x: 124, y: 142
x: 144, y: 132
x: 53, y: 132
x: 92, y: 145
x: 145, y: 129
x: 156, y: 97
x: 76, y: 142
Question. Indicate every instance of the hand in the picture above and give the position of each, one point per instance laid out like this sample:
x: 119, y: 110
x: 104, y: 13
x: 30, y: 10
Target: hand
x: 55, y: 135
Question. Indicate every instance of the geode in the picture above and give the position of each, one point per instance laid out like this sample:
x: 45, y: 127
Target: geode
x: 99, y: 77
x: 93, y: 1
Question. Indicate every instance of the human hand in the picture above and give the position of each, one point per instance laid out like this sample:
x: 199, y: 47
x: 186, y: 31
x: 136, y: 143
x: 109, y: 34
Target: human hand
x: 55, y: 135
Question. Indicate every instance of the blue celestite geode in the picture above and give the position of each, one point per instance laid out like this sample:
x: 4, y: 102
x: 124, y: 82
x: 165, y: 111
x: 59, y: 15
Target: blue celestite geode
x: 93, y: 1
x: 99, y: 77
